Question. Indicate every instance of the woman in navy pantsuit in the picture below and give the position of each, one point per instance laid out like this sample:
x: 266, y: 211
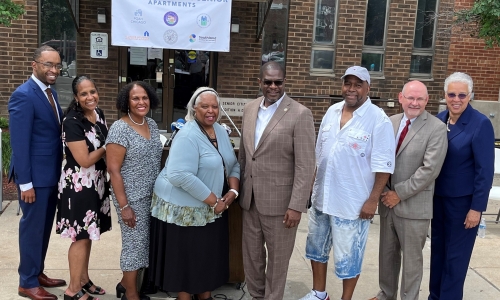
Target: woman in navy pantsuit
x: 462, y: 189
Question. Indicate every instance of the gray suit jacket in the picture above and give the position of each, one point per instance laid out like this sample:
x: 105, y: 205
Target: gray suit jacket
x: 418, y: 163
x: 280, y: 170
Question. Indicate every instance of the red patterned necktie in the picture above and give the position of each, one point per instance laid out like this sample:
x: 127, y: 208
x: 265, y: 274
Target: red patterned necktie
x: 403, y: 134
x: 52, y: 103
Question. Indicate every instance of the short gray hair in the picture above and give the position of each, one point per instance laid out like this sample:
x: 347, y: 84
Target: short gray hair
x: 195, y: 98
x: 459, y: 77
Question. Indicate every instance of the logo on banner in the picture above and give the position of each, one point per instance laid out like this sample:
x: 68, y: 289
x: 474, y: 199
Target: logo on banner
x: 170, y: 37
x: 207, y: 39
x: 191, y: 57
x: 171, y: 18
x: 203, y: 20
x: 138, y: 19
x: 192, y: 37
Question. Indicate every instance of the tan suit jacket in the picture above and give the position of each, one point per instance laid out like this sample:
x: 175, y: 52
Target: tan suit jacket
x: 418, y: 163
x: 403, y: 229
x: 281, y: 169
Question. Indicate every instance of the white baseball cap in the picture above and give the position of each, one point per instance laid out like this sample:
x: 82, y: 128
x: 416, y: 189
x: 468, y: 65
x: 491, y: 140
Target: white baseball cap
x: 360, y: 72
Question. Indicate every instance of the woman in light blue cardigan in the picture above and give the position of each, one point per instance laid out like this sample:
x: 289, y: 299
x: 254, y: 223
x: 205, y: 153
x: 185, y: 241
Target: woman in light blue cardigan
x: 189, y: 228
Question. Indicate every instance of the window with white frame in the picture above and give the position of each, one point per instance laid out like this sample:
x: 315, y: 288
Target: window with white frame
x: 423, y: 41
x: 323, y: 46
x: 375, y: 33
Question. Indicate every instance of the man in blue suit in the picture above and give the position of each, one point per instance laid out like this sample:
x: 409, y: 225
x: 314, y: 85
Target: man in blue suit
x: 35, y: 117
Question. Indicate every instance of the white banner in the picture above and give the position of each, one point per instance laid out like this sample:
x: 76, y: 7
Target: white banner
x: 187, y: 25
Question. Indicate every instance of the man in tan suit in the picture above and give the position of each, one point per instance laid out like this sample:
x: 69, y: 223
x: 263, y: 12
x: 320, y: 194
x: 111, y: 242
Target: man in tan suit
x: 406, y: 207
x: 277, y: 168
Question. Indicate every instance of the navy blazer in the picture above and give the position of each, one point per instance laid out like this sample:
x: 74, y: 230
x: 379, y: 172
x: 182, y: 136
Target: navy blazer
x: 35, y: 137
x: 468, y: 168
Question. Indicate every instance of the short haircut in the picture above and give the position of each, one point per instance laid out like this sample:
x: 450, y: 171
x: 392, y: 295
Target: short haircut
x: 272, y: 65
x: 39, y: 50
x: 459, y: 77
x: 123, y: 96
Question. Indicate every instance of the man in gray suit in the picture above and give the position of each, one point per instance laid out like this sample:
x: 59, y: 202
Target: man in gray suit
x: 406, y: 206
x: 277, y: 167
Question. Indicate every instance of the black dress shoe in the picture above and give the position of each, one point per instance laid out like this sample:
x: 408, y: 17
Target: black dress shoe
x: 120, y: 293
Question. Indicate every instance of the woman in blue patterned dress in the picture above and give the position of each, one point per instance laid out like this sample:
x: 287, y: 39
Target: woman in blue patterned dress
x: 133, y: 155
x: 83, y: 207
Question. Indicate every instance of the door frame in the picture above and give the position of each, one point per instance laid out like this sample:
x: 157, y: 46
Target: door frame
x: 168, y: 80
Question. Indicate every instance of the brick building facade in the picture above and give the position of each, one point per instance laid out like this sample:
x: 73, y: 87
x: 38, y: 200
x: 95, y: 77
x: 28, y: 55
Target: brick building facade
x: 237, y: 70
x: 469, y: 55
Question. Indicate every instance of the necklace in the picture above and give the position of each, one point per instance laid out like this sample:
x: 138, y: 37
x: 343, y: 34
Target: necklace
x: 211, y: 137
x: 143, y: 119
x: 448, y: 124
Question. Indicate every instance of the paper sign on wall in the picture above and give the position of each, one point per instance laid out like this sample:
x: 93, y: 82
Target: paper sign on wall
x: 98, y: 45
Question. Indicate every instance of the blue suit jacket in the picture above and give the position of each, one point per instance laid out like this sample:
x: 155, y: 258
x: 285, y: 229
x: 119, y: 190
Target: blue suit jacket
x: 469, y: 164
x: 35, y: 137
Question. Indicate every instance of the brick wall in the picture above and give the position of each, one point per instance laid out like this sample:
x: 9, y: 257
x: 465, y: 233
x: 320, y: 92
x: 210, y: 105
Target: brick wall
x: 21, y: 39
x: 16, y: 50
x: 238, y: 69
x: 104, y: 71
x: 469, y: 55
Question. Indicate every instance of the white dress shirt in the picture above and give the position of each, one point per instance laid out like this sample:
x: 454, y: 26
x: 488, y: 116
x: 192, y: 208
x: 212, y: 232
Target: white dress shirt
x: 402, y: 125
x: 348, y: 158
x: 263, y: 117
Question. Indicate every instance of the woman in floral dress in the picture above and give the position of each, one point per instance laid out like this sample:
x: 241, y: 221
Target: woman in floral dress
x: 83, y: 208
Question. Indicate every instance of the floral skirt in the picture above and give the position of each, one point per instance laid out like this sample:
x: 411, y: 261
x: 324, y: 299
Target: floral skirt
x: 83, y: 210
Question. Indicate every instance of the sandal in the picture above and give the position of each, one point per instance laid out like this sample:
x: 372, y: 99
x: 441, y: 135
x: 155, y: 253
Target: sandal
x: 78, y: 295
x: 97, y: 291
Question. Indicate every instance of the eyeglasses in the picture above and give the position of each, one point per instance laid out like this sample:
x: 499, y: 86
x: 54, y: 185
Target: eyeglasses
x: 270, y: 82
x: 98, y: 131
x: 411, y: 99
x: 461, y: 96
x: 50, y: 65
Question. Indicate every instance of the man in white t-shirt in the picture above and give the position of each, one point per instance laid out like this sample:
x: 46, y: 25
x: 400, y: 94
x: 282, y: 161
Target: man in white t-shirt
x: 354, y: 159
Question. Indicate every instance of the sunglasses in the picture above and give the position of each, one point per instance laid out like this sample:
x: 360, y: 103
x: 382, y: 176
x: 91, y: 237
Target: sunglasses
x: 98, y: 131
x: 270, y: 82
x: 460, y: 96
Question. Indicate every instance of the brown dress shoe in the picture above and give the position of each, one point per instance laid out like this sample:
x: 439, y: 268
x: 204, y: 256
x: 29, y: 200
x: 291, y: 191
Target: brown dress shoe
x: 50, y: 282
x: 36, y: 293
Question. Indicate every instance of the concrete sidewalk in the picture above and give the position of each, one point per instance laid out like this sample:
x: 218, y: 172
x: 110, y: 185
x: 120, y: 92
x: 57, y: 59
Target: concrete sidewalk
x: 483, y: 277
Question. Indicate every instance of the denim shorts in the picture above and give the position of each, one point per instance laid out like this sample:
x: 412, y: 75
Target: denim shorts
x: 348, y: 238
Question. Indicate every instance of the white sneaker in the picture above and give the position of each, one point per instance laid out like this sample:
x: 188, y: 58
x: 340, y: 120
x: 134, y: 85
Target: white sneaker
x: 312, y: 296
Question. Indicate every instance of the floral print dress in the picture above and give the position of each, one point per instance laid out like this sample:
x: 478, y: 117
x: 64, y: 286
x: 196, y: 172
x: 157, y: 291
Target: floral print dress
x: 83, y: 210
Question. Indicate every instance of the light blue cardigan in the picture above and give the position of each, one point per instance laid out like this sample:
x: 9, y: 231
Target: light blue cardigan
x: 192, y: 171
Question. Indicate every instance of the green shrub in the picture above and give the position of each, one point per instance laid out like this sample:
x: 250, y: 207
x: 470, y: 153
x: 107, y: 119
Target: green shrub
x: 4, y: 123
x: 6, y: 152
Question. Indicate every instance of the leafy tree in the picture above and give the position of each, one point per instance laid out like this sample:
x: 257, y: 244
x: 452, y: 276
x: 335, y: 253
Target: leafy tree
x: 483, y: 19
x: 55, y: 20
x: 10, y: 11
